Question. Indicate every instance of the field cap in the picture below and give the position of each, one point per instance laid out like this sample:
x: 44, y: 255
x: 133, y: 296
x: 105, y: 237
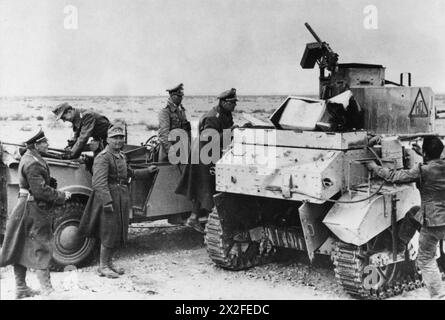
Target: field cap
x: 60, y: 110
x: 229, y: 95
x: 116, y: 129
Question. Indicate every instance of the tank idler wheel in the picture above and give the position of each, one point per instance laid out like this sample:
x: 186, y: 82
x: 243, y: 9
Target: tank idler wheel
x: 233, y: 249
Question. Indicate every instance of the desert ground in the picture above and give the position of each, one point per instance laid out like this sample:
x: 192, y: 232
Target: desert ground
x: 164, y: 261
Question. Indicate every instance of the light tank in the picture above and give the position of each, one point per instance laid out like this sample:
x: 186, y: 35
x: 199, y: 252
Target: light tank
x: 301, y: 183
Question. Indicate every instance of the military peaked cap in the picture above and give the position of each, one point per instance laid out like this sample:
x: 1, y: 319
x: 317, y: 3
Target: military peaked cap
x: 229, y: 95
x: 39, y: 137
x: 117, y: 129
x: 60, y: 110
x: 178, y: 90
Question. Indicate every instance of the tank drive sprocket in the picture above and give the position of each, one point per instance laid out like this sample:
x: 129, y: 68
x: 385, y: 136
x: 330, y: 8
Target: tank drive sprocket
x: 350, y: 263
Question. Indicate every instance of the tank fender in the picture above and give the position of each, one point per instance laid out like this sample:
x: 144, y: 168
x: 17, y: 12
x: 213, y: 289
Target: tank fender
x: 357, y: 223
x: 315, y: 232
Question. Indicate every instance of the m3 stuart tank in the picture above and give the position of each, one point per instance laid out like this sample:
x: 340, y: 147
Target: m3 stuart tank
x: 302, y: 183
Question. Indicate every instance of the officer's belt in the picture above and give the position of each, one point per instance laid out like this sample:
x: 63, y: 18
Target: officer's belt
x: 122, y: 182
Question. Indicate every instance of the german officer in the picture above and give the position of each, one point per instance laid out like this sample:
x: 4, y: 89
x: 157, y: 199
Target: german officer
x: 172, y: 116
x: 28, y: 235
x: 197, y: 181
x: 110, y: 202
x: 86, y: 125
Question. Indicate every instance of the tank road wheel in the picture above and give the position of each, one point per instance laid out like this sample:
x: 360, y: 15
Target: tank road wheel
x: 364, y: 281
x: 234, y: 249
x: 68, y: 247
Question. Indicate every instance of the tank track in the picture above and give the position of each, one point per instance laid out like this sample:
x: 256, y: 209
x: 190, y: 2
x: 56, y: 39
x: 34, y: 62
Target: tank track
x: 230, y: 254
x: 350, y: 260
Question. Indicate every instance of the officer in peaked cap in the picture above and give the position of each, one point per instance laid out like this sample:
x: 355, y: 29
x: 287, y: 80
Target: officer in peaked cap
x: 108, y: 207
x: 86, y: 125
x: 197, y: 182
x: 39, y: 137
x: 171, y: 117
x: 228, y: 95
x: 177, y: 90
x: 28, y: 236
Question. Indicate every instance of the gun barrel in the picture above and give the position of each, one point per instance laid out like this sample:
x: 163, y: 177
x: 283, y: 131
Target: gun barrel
x: 312, y: 32
x: 408, y: 136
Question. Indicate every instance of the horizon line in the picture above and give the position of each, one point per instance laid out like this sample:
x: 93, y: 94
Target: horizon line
x: 157, y: 95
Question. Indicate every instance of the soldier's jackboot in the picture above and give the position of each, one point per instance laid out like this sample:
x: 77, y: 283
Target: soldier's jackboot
x: 21, y: 288
x: 45, y: 281
x: 112, y: 266
x: 104, y: 268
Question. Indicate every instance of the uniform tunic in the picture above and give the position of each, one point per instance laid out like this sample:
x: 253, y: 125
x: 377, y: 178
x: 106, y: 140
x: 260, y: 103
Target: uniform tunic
x: 197, y: 181
x: 85, y: 125
x: 430, y: 179
x: 171, y: 117
x: 110, y: 176
x: 28, y: 229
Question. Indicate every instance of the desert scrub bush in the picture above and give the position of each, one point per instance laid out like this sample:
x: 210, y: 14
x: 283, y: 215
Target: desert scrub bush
x: 3, y: 118
x: 53, y: 124
x: 19, y: 117
x: 148, y: 126
x: 258, y: 111
x: 26, y: 127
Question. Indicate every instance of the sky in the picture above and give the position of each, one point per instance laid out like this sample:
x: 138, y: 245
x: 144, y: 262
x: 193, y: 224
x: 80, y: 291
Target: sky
x: 136, y: 47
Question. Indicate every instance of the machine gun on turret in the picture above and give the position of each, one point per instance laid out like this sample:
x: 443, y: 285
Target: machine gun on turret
x: 319, y: 52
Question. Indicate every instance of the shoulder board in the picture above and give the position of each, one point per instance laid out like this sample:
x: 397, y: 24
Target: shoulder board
x: 104, y: 151
x: 32, y: 156
x: 36, y: 160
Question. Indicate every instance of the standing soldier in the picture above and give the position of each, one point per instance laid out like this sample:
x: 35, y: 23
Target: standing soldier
x: 430, y: 178
x: 28, y: 235
x: 172, y: 116
x: 109, y: 206
x: 197, y: 181
x: 86, y: 125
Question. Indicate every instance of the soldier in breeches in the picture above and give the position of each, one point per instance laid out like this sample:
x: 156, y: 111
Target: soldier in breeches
x: 171, y: 117
x: 198, y: 181
x: 111, y: 198
x: 430, y: 178
x: 28, y: 235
